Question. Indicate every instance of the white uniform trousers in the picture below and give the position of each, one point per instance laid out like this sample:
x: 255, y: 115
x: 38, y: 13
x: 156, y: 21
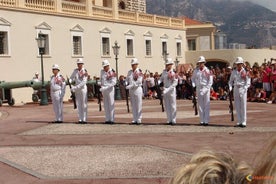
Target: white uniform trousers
x: 203, y: 105
x: 57, y: 101
x: 240, y: 98
x: 136, y: 103
x: 170, y: 105
x: 108, y: 98
x: 81, y: 101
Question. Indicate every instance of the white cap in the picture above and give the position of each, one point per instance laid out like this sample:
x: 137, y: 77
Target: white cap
x: 168, y: 61
x: 134, y: 61
x: 36, y: 73
x: 239, y: 60
x: 55, y: 67
x: 105, y: 63
x: 80, y: 61
x: 201, y: 59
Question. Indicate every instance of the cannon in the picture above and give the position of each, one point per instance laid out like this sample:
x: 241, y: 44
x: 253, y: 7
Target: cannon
x: 6, y: 93
x: 37, y: 86
x: 6, y: 90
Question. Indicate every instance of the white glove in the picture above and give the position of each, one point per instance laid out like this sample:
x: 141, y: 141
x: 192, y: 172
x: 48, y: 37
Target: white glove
x: 70, y: 81
x: 103, y: 88
x: 166, y: 90
x: 129, y: 86
x: 230, y: 88
x: 73, y: 89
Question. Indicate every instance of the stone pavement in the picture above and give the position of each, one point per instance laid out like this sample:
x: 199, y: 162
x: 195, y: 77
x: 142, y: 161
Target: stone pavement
x: 34, y: 151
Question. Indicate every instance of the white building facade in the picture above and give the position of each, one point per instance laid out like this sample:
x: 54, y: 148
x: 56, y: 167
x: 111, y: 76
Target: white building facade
x: 82, y: 29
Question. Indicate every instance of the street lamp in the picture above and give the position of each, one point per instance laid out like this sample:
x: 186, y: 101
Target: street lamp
x: 116, y: 49
x: 41, y: 42
x: 176, y: 64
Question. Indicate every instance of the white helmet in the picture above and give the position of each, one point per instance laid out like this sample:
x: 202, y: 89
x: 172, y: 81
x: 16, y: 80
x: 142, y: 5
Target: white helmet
x: 168, y: 61
x: 80, y: 61
x: 239, y: 60
x: 105, y: 63
x: 55, y: 67
x: 201, y: 59
x: 134, y: 61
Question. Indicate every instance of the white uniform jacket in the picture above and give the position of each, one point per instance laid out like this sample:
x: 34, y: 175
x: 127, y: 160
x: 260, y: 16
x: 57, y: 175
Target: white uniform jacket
x: 80, y: 79
x: 58, y: 84
x: 108, y: 80
x: 202, y: 79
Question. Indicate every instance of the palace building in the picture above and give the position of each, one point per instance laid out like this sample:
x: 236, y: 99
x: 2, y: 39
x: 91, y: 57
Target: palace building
x: 88, y: 29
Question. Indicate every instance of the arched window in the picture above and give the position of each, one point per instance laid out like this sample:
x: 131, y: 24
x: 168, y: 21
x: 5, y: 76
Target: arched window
x: 122, y: 5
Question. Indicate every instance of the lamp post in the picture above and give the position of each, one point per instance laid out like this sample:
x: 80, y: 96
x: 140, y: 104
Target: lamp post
x: 116, y: 49
x: 176, y: 64
x: 41, y: 42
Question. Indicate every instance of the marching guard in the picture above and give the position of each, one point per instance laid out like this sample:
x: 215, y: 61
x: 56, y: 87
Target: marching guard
x: 79, y: 77
x: 134, y: 80
x: 202, y: 80
x: 108, y: 81
x: 241, y: 81
x: 170, y: 80
x: 57, y: 89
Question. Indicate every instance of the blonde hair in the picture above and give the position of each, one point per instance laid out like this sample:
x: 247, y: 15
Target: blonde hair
x: 208, y: 167
x: 266, y: 167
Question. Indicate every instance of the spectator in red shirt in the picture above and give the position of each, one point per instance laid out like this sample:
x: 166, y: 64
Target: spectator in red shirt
x: 266, y: 79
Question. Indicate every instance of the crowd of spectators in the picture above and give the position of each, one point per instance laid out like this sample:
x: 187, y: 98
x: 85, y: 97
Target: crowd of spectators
x: 262, y: 89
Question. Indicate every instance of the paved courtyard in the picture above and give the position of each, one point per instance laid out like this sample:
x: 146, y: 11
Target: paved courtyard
x: 32, y: 150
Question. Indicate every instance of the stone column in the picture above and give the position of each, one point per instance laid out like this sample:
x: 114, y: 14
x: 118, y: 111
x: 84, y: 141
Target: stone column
x: 21, y: 3
x: 58, y: 5
x: 115, y: 9
x: 89, y: 10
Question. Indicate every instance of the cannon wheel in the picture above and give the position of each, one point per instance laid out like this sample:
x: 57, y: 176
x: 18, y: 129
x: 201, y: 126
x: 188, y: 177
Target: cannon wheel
x: 11, y: 102
x: 35, y: 98
x: 1, y: 102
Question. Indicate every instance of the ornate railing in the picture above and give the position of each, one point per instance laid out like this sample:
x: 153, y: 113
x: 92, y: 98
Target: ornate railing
x: 146, y: 18
x: 10, y: 3
x: 44, y: 5
x: 84, y: 8
x: 102, y: 12
x: 75, y: 8
x: 127, y: 15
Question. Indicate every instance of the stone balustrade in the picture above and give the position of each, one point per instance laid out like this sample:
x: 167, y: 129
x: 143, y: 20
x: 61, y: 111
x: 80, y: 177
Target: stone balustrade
x: 41, y: 5
x: 104, y: 12
x: 72, y: 7
x: 85, y: 8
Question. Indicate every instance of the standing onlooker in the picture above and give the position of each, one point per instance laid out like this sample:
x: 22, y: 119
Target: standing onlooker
x: 266, y: 79
x: 170, y: 80
x: 241, y: 81
x: 79, y: 76
x: 108, y: 81
x: 202, y: 79
x: 57, y: 88
x: 134, y: 80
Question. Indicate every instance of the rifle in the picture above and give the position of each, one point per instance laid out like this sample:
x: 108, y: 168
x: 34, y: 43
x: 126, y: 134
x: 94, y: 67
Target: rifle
x: 159, y: 94
x: 127, y: 94
x: 98, y: 95
x: 73, y: 96
x: 195, y: 102
x: 231, y: 106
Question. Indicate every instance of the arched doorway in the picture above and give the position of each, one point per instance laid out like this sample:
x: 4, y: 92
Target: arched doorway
x: 214, y: 63
x: 122, y: 5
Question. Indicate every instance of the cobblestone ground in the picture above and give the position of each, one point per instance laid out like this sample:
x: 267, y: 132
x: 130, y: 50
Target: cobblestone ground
x: 32, y: 150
